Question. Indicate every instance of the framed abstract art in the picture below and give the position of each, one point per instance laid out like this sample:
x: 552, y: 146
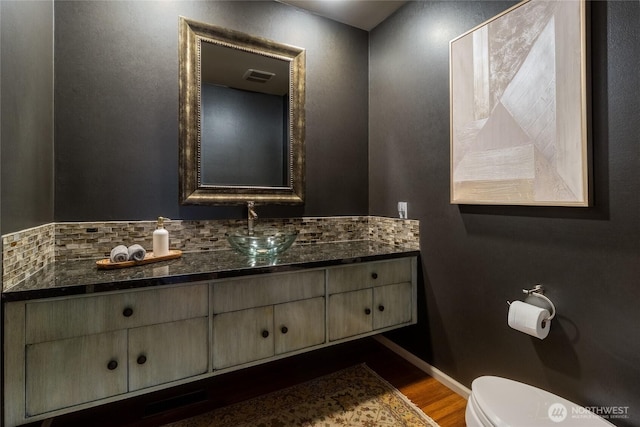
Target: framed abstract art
x: 519, y: 116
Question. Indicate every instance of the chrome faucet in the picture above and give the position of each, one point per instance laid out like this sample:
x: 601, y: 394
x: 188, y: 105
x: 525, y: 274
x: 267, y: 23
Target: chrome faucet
x: 251, y: 217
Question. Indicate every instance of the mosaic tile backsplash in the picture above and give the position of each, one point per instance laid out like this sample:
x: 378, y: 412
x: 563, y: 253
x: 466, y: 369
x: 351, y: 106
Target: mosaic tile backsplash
x: 27, y: 251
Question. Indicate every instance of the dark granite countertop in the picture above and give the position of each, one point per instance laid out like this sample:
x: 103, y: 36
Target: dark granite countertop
x: 82, y: 276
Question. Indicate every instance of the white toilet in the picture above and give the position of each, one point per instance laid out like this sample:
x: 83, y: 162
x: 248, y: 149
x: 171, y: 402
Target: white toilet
x: 500, y: 402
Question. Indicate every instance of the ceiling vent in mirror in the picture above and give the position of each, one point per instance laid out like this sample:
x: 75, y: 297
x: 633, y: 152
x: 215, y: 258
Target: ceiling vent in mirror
x: 257, y: 76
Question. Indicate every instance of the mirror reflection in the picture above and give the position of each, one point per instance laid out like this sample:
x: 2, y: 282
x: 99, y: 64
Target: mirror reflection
x: 241, y: 117
x: 245, y: 110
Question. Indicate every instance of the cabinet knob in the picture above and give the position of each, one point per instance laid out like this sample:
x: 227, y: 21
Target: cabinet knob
x: 142, y: 359
x: 284, y: 329
x: 381, y: 307
x: 367, y: 311
x: 127, y: 312
x: 112, y: 365
x: 265, y: 334
x: 374, y: 276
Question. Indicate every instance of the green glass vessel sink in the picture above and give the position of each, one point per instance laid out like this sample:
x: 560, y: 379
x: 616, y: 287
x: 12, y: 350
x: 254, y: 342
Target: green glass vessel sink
x: 268, y: 245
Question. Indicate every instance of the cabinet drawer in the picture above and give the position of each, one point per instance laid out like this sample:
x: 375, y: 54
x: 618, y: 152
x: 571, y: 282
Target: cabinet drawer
x: 68, y: 372
x: 52, y: 320
x: 368, y: 275
x: 168, y: 352
x: 238, y: 294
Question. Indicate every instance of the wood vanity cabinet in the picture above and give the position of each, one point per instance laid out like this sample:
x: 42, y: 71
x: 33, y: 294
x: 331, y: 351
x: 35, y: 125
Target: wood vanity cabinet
x: 370, y: 296
x: 83, y: 349
x: 70, y: 353
x: 77, y: 370
x: 257, y: 318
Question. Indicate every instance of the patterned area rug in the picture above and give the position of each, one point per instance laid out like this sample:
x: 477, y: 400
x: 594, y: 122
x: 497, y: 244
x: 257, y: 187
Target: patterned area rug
x: 356, y: 396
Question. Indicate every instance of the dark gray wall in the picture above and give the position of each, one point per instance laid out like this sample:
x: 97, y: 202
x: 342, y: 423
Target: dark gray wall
x: 26, y: 114
x: 116, y: 106
x: 475, y: 258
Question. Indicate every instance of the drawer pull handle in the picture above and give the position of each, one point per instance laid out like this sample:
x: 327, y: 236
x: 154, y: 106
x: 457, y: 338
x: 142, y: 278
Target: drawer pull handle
x: 142, y: 359
x: 374, y: 276
x: 284, y: 329
x: 127, y: 312
x: 367, y: 311
x: 381, y: 307
x: 112, y: 365
x: 265, y: 334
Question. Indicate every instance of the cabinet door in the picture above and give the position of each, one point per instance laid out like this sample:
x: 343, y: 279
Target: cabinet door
x: 350, y: 314
x: 299, y: 324
x: 242, y: 336
x: 77, y: 370
x: 167, y: 352
x: 392, y: 305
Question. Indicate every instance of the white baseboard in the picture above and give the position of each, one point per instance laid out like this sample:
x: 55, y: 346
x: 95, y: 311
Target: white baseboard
x: 425, y: 367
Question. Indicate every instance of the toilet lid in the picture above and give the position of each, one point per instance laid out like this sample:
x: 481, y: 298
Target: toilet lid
x: 510, y: 403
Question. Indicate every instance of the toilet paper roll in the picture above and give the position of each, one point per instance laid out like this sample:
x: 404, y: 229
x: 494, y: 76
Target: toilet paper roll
x: 529, y: 319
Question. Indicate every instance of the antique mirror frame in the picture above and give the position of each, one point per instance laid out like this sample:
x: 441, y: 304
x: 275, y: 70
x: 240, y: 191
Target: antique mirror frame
x: 192, y: 191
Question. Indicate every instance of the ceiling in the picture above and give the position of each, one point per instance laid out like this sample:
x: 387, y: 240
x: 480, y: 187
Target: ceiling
x: 363, y: 14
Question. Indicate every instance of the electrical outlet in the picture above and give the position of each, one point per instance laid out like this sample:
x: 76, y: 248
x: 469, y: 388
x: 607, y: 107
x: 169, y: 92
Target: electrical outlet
x: 402, y: 209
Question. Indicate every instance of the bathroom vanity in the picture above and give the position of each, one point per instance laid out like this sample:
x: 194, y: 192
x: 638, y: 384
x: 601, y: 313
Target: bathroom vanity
x: 77, y: 337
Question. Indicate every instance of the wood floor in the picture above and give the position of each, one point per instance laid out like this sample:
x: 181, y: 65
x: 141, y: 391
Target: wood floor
x: 436, y: 400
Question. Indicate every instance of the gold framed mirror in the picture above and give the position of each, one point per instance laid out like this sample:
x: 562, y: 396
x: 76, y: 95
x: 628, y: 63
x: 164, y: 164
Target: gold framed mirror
x: 241, y: 117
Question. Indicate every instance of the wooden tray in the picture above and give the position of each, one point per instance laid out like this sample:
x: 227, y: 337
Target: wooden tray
x: 106, y: 264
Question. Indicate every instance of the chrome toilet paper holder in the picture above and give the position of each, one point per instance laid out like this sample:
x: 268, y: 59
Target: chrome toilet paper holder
x: 537, y: 297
